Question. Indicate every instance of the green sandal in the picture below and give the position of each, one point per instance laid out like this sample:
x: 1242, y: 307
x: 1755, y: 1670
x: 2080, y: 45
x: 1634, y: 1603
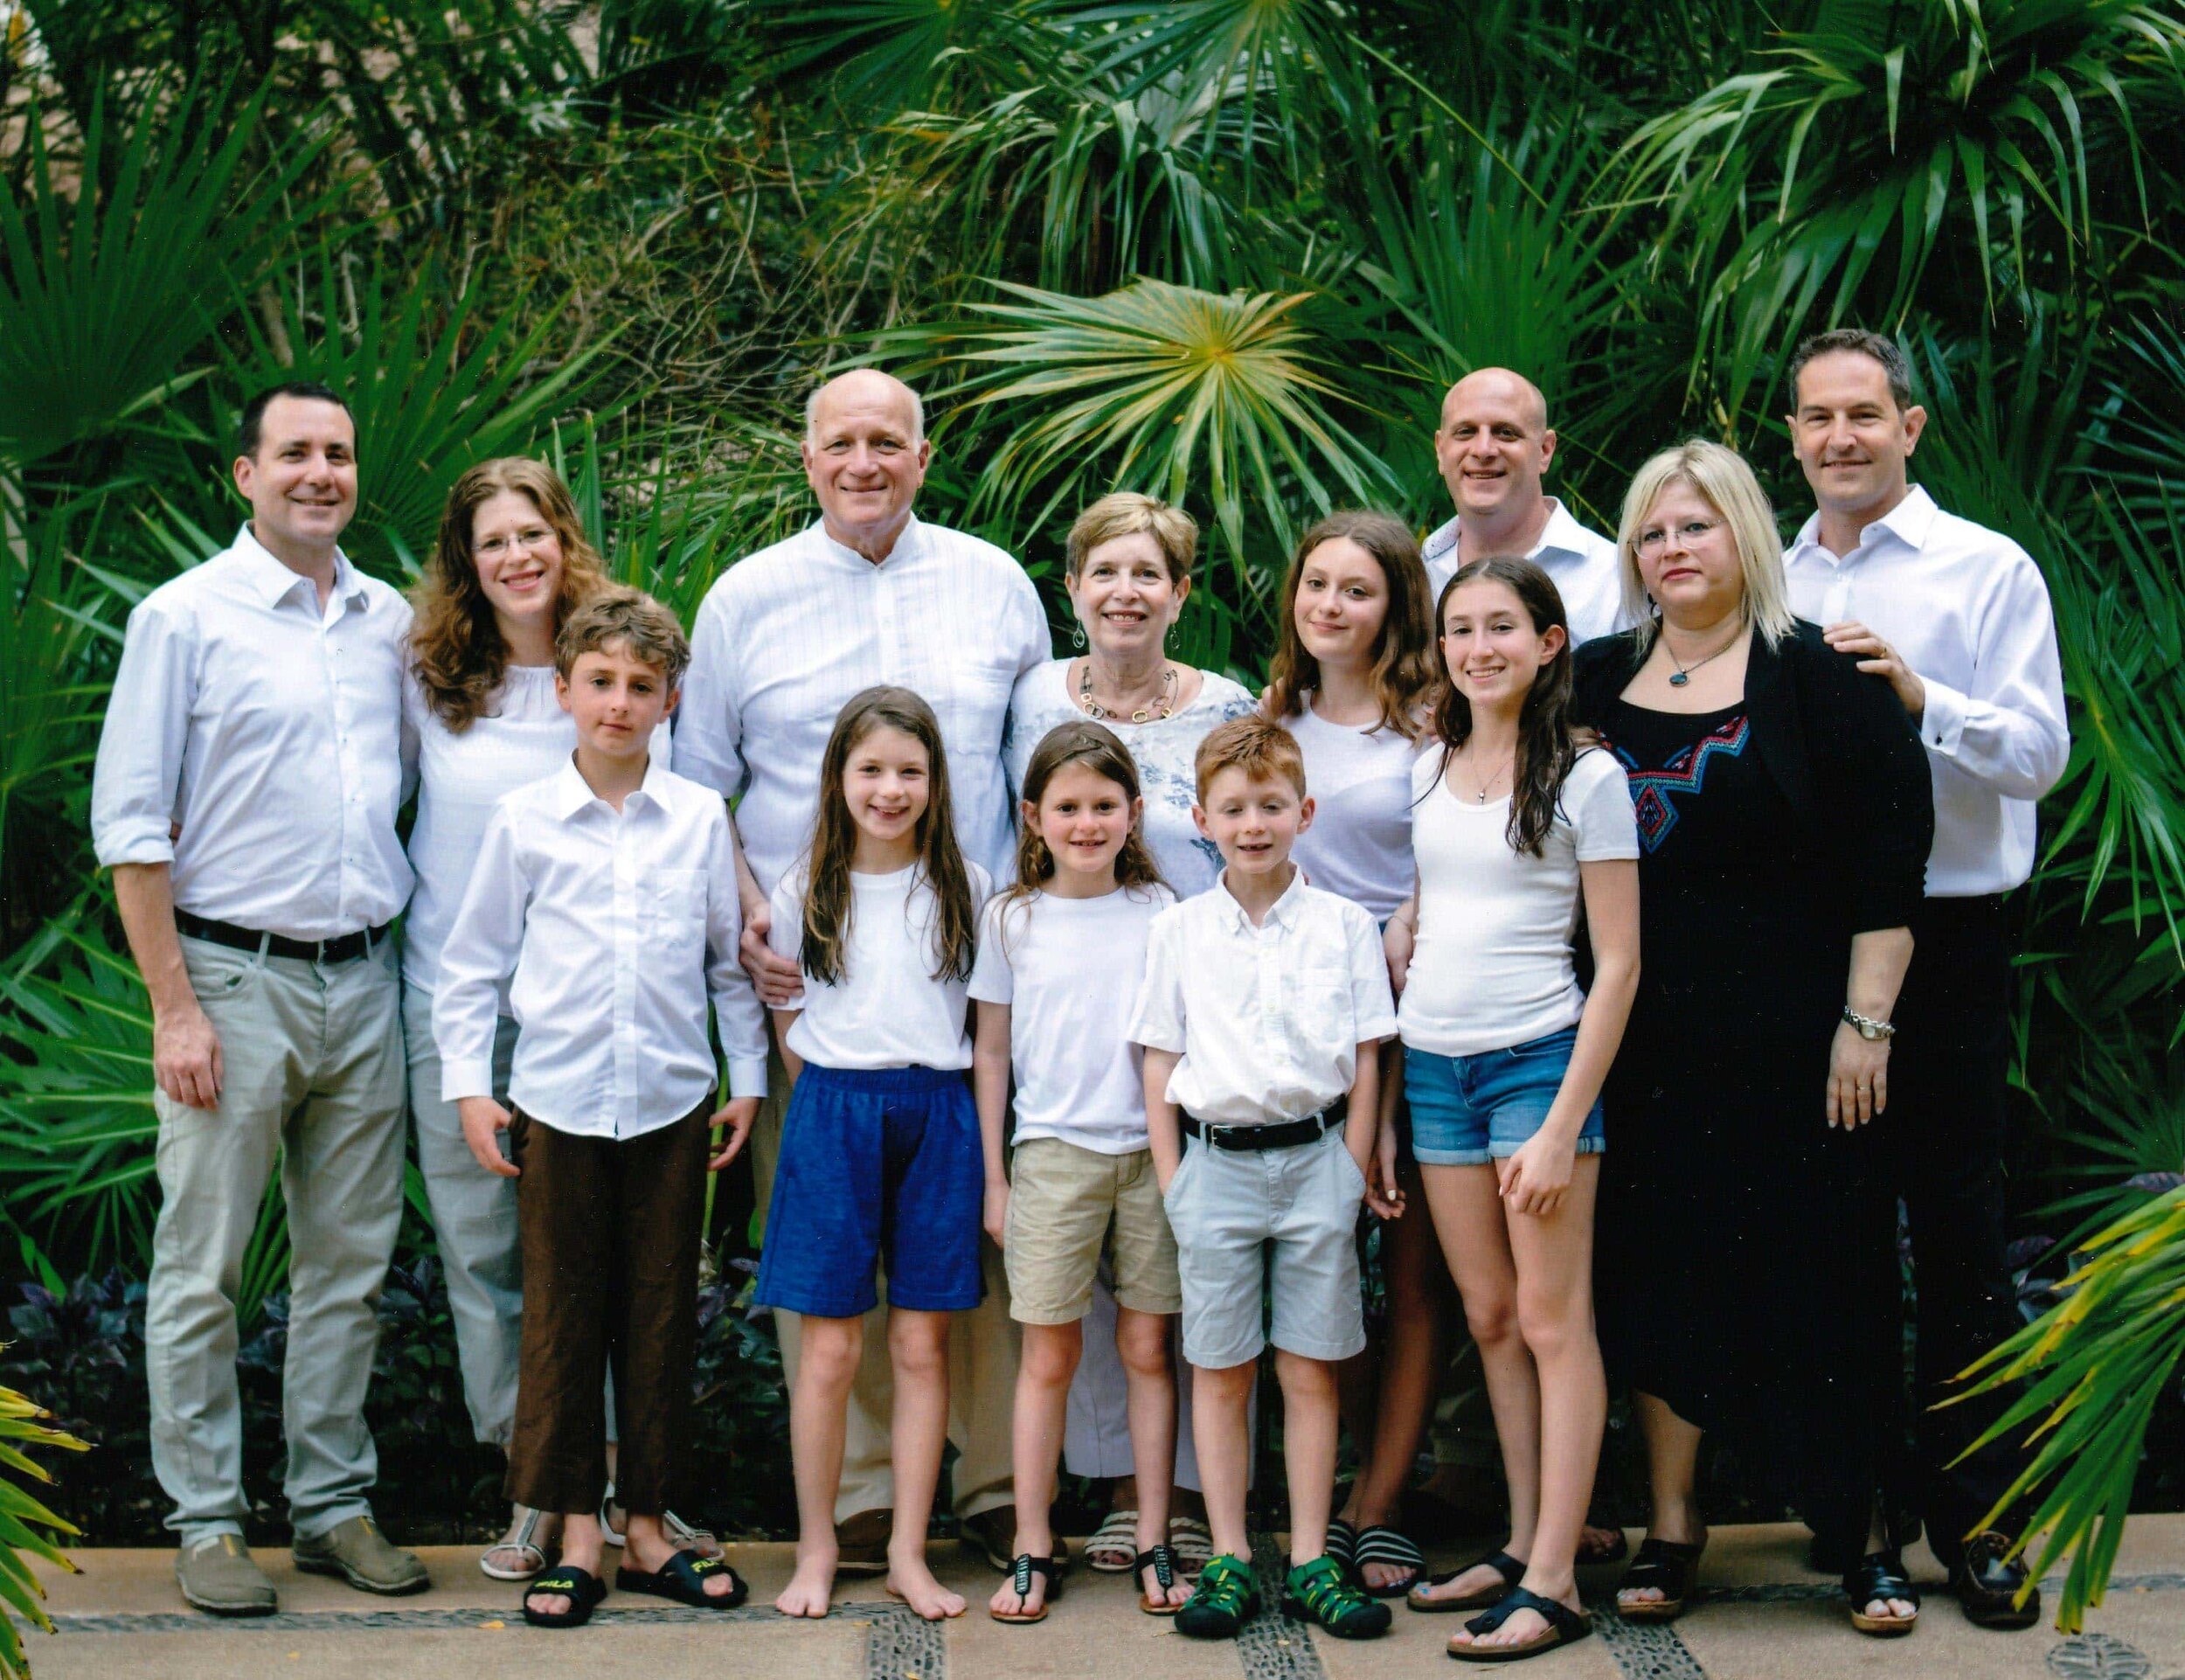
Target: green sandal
x: 1222, y: 1601
x: 1322, y: 1591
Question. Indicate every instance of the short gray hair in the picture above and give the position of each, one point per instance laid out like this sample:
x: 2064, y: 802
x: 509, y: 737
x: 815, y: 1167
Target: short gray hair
x: 917, y: 407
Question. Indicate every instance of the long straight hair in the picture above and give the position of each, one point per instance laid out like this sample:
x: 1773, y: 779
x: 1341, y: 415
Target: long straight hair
x: 828, y: 899
x: 1545, y: 751
x: 1402, y: 660
x: 1097, y: 748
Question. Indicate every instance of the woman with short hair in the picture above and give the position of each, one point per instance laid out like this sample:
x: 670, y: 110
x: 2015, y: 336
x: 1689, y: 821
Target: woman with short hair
x: 1747, y: 1266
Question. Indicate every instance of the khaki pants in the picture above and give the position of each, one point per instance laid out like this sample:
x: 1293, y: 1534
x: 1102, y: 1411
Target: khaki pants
x: 312, y: 1059
x: 982, y: 1349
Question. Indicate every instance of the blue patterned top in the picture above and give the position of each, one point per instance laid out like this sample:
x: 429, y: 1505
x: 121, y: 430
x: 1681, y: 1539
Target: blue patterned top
x: 1163, y: 751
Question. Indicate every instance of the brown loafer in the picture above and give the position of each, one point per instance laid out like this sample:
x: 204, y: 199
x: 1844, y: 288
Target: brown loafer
x: 861, y: 1543
x: 1987, y: 1581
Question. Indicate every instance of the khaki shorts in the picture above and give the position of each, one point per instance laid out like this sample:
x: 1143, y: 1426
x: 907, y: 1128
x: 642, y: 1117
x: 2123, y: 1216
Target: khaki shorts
x: 1062, y: 1199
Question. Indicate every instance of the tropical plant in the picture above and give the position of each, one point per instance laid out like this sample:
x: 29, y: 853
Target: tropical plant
x: 25, y: 1526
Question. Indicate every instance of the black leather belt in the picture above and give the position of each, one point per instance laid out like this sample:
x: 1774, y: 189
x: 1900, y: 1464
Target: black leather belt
x: 1281, y: 1135
x: 343, y: 948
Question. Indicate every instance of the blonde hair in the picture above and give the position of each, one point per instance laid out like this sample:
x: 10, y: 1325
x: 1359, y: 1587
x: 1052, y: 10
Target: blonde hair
x: 1721, y: 477
x: 1125, y: 513
x: 633, y: 618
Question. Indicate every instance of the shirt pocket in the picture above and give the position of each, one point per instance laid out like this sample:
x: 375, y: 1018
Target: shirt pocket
x: 675, y: 909
x: 1320, y: 1008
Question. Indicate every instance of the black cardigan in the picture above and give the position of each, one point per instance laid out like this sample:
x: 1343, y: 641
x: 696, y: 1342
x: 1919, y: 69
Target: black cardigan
x: 1839, y: 744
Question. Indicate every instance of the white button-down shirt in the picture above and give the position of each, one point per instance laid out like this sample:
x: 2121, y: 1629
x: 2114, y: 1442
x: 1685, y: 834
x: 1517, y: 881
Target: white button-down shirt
x: 1582, y: 562
x: 1267, y: 1019
x: 788, y: 635
x: 1967, y: 610
x: 616, y: 928
x: 272, y: 733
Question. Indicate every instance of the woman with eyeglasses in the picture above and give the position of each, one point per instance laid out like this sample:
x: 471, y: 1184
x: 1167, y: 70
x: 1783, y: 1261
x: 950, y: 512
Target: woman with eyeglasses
x: 1746, y: 1258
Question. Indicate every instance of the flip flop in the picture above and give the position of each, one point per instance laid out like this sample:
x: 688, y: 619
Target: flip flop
x: 1379, y: 1544
x: 682, y: 1579
x: 1021, y: 1573
x: 1565, y: 1627
x: 1162, y: 1561
x: 581, y: 1586
x: 1512, y: 1570
x: 523, y: 1541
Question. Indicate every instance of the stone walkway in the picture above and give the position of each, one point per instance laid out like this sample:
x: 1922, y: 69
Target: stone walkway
x: 1762, y: 1617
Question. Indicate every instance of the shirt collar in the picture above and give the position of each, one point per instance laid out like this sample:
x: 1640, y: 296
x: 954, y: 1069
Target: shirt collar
x: 908, y: 541
x: 274, y: 580
x: 1283, y: 912
x: 1910, y: 521
x: 1561, y: 535
x: 572, y: 792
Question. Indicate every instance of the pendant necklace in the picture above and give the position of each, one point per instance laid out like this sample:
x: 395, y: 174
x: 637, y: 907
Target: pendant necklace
x: 1683, y: 672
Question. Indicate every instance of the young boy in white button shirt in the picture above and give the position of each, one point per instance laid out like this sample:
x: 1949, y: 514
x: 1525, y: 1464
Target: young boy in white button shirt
x: 608, y: 891
x: 1263, y: 1002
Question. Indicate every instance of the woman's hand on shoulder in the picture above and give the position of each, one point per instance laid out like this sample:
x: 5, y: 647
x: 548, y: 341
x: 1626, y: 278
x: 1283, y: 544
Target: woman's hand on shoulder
x: 1536, y: 1179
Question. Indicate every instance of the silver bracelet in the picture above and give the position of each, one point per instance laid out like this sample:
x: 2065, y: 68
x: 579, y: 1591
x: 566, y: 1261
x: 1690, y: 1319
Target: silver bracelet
x: 1868, y: 1026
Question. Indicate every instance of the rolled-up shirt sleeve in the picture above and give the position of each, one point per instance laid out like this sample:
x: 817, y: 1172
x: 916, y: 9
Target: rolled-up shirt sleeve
x: 1372, y: 1004
x: 479, y: 956
x: 708, y: 730
x: 138, y: 773
x: 738, y: 1014
x: 1157, y: 1023
x: 2009, y: 732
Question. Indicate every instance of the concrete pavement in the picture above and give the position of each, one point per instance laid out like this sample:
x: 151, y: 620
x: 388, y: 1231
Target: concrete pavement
x: 1762, y: 1615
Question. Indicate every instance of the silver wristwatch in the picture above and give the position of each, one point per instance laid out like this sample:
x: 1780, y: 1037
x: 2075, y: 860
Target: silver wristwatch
x: 1867, y: 1026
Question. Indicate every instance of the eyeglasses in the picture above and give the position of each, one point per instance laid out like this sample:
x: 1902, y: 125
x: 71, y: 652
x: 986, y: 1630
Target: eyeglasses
x: 1653, y: 541
x: 494, y: 547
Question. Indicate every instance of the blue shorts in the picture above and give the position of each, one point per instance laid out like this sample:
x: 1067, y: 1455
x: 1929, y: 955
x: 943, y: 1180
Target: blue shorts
x: 877, y: 1165
x: 1469, y: 1110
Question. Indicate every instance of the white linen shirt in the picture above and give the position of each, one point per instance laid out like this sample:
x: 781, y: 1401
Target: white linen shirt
x: 1968, y: 611
x: 272, y: 733
x: 1267, y: 1019
x: 1582, y: 563
x: 522, y: 736
x: 617, y: 926
x: 788, y: 635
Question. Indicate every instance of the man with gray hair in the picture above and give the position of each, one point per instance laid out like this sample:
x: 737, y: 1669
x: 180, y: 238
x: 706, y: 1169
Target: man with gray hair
x: 867, y: 594
x: 1494, y: 445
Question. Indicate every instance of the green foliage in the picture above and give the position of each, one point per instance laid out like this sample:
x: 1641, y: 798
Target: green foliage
x: 25, y: 1525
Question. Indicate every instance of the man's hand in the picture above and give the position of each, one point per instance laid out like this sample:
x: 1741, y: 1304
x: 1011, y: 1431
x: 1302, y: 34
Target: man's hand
x: 997, y: 1210
x: 186, y: 1058
x: 484, y: 1121
x: 1878, y: 658
x: 737, y: 1114
x: 780, y: 981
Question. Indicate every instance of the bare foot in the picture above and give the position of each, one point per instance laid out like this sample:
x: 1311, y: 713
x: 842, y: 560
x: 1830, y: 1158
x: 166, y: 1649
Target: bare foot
x: 1522, y: 1628
x: 811, y: 1587
x: 508, y: 1555
x: 1599, y: 1545
x: 1471, y: 1583
x: 910, y: 1580
x: 649, y: 1549
x: 1178, y: 1592
x: 1005, y: 1601
x: 1390, y: 1576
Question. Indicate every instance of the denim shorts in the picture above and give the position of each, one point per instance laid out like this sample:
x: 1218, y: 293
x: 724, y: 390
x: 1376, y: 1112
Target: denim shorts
x: 878, y: 1166
x: 1469, y: 1110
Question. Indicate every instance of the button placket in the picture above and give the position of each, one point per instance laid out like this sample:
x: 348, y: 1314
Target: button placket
x: 625, y: 943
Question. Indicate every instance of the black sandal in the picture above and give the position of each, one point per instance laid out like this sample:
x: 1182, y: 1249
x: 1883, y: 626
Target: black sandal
x: 1565, y: 1627
x: 1512, y: 1570
x: 1379, y: 1544
x: 1881, y: 1575
x: 1020, y: 1572
x: 581, y: 1586
x: 1669, y: 1565
x: 1165, y: 1570
x: 683, y: 1579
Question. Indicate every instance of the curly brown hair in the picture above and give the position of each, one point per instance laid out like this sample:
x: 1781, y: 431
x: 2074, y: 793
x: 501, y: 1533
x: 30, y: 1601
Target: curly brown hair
x: 455, y: 642
x: 1404, y: 676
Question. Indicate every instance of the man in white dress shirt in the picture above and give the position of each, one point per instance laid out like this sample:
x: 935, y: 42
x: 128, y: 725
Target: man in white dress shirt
x: 1494, y: 445
x: 867, y: 594
x: 1956, y: 619
x: 244, y: 796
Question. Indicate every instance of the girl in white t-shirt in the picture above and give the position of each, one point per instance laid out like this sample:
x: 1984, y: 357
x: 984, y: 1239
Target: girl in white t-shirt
x: 1513, y: 828
x: 1060, y: 954
x: 879, y: 1157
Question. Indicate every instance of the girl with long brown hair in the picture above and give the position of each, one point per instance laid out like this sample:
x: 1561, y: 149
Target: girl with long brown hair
x: 1504, y: 1062
x: 511, y: 564
x: 1059, y: 955
x: 880, y: 1154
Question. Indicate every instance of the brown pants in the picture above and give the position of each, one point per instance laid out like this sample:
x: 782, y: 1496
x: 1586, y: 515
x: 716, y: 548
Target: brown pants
x: 610, y: 1232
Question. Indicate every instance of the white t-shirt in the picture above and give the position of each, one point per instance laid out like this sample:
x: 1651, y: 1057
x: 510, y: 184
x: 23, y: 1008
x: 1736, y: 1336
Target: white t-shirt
x: 888, y: 1011
x: 1068, y: 970
x: 1359, y: 846
x: 1492, y: 966
x: 522, y: 736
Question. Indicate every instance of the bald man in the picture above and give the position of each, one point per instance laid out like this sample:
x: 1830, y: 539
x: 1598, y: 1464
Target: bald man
x: 867, y: 594
x: 1494, y: 445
